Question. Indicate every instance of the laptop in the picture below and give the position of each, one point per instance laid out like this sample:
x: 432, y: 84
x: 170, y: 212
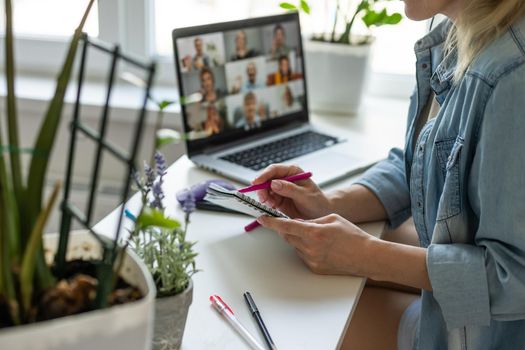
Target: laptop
x: 244, y: 102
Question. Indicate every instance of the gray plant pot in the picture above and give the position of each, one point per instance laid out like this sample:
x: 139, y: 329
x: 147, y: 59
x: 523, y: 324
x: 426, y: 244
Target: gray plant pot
x: 170, y: 319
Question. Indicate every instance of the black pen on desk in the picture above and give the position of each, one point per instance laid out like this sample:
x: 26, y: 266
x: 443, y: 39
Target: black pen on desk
x: 257, y: 315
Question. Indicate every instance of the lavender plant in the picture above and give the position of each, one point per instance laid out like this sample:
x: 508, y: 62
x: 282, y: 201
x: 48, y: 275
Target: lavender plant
x: 158, y: 240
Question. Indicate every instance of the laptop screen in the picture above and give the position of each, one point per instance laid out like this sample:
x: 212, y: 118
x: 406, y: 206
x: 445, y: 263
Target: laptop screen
x: 239, y: 78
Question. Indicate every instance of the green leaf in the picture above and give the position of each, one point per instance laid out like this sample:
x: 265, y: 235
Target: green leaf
x: 363, y: 5
x: 164, y: 104
x: 305, y: 7
x: 11, y: 106
x: 45, y: 141
x: 287, y: 6
x: 394, y: 18
x: 373, y: 18
x: 155, y: 218
x: 48, y: 130
x: 166, y: 137
x: 28, y: 267
x: 8, y: 236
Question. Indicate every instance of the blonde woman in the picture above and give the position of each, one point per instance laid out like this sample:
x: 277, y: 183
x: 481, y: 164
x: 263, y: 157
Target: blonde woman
x: 461, y: 177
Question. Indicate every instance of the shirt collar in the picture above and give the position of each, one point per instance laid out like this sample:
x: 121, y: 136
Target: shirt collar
x: 443, y: 68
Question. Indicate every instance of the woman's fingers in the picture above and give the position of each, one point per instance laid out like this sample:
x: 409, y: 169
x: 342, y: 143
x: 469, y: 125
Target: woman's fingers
x: 289, y: 189
x: 285, y: 226
x: 276, y: 171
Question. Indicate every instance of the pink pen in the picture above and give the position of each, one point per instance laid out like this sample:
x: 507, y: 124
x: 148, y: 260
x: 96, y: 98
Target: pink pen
x: 251, y: 226
x: 266, y: 185
x: 298, y: 177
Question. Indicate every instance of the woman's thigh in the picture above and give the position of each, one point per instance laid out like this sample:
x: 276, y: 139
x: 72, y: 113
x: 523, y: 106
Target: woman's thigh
x: 375, y: 321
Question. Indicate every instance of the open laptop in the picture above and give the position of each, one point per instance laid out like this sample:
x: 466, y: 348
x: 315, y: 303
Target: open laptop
x: 244, y: 102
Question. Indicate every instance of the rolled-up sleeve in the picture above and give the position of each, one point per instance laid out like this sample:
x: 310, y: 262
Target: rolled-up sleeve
x: 484, y: 281
x: 387, y: 180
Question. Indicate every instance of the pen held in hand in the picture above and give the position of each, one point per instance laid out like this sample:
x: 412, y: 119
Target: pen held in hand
x: 266, y: 185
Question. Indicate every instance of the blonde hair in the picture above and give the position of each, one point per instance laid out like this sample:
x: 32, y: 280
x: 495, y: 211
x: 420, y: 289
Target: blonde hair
x: 479, y: 23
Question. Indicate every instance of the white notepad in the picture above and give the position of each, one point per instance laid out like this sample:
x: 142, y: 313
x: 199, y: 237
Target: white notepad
x: 238, y: 201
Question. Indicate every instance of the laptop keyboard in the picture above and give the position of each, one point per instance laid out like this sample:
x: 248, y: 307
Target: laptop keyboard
x: 261, y: 156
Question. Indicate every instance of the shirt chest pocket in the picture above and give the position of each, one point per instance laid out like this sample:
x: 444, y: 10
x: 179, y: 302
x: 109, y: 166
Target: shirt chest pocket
x: 449, y: 155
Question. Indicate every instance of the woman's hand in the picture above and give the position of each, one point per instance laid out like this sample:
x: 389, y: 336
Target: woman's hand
x: 302, y: 199
x: 328, y: 245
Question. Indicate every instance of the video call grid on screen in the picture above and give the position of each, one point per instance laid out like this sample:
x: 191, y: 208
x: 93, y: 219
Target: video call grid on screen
x: 240, y: 79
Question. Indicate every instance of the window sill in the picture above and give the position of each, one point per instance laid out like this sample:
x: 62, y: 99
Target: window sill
x: 35, y: 92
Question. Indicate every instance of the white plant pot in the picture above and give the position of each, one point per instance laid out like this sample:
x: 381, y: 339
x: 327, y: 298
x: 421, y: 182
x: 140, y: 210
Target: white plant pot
x: 336, y: 75
x: 128, y: 326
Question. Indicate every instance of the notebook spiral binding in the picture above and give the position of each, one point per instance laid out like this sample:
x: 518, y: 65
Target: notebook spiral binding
x: 261, y: 208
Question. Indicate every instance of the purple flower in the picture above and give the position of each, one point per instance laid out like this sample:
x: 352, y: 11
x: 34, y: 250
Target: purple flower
x: 150, y: 175
x: 188, y: 205
x: 160, y: 163
x: 158, y: 196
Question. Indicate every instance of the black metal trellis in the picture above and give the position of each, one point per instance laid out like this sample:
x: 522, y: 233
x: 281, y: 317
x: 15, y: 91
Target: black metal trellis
x: 69, y: 210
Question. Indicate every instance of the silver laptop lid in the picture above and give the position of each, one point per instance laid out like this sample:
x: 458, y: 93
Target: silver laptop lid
x: 239, y: 79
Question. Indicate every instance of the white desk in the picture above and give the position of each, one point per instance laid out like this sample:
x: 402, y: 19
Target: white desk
x: 302, y: 310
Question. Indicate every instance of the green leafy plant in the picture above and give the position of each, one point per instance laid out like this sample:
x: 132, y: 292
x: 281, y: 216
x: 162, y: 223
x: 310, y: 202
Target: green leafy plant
x: 365, y: 10
x: 23, y: 270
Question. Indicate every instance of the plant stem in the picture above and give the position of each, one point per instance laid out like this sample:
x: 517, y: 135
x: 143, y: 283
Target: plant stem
x: 158, y: 124
x: 337, y: 9
x: 345, y: 37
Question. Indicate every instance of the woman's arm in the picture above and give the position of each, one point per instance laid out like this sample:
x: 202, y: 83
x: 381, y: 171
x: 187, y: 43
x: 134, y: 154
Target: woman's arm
x: 333, y: 245
x: 357, y: 204
x: 381, y: 193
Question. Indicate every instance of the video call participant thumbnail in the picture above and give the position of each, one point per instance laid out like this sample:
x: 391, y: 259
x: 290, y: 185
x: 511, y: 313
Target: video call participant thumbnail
x: 284, y: 73
x: 252, y: 115
x: 241, y: 47
x: 279, y: 47
x: 208, y: 90
x: 213, y: 124
x: 200, y: 59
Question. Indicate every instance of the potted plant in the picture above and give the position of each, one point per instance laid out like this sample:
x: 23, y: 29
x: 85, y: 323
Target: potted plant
x: 167, y: 254
x: 73, y: 290
x: 337, y: 63
x: 160, y: 241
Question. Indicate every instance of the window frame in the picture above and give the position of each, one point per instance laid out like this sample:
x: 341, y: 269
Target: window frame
x: 130, y: 23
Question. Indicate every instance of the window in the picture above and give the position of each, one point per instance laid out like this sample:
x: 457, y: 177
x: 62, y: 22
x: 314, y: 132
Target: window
x: 143, y: 28
x: 393, y: 49
x: 47, y: 18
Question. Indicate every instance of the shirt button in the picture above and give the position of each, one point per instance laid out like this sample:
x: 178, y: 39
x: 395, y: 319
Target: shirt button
x: 419, y: 204
x: 420, y: 148
x: 424, y: 66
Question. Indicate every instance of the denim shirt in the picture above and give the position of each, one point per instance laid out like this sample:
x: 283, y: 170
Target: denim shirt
x: 464, y: 186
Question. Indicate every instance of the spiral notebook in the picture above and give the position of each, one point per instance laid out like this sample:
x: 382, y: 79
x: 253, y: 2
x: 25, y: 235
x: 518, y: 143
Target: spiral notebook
x: 240, y: 202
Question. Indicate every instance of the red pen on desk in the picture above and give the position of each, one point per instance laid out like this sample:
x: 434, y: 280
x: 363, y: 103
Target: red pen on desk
x: 225, y: 311
x: 265, y: 185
